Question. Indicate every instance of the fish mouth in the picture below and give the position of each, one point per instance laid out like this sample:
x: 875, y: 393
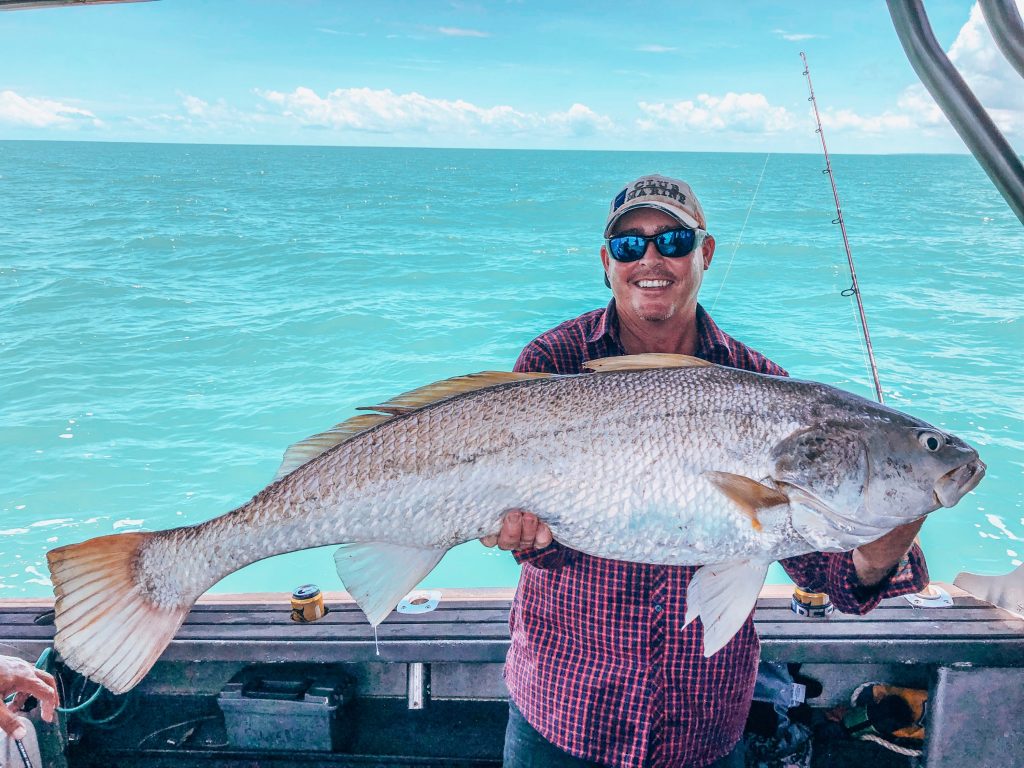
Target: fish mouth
x: 957, y: 483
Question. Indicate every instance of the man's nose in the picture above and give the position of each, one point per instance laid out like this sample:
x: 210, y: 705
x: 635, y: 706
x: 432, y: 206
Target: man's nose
x: 651, y: 252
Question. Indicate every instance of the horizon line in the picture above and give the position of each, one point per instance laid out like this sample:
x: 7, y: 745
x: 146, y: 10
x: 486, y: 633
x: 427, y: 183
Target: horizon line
x: 965, y: 152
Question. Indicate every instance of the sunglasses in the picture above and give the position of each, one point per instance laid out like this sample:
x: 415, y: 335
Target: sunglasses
x: 673, y: 244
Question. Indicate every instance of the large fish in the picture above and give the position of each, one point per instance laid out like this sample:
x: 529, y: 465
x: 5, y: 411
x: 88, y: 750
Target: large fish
x: 653, y: 459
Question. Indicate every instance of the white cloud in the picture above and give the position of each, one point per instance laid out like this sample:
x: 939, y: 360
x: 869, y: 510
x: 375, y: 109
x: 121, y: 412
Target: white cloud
x: 794, y: 37
x: 201, y: 119
x: 219, y: 113
x: 580, y: 120
x: 742, y: 112
x: 383, y: 111
x: 656, y: 48
x: 976, y: 56
x: 992, y: 79
x: 847, y: 119
x: 40, y: 113
x: 459, y: 32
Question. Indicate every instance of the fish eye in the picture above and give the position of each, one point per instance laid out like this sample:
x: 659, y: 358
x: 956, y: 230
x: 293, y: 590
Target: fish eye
x: 930, y: 440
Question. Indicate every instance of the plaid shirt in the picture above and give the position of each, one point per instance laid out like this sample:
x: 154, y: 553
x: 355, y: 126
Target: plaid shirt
x: 599, y: 662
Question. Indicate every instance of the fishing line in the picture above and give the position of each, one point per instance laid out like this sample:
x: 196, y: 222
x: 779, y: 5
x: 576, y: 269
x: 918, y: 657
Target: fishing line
x: 743, y: 229
x: 865, y: 357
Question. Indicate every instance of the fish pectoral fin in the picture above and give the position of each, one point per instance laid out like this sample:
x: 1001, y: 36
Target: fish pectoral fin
x: 378, y: 575
x: 749, y: 495
x: 723, y: 595
x: 645, y: 362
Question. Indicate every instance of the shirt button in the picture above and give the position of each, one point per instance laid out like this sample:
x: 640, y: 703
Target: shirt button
x: 657, y: 607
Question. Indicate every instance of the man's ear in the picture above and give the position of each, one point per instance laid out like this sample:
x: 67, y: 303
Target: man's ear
x: 604, y: 264
x: 708, y: 250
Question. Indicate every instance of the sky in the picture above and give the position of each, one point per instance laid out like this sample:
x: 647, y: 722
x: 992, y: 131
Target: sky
x: 533, y: 74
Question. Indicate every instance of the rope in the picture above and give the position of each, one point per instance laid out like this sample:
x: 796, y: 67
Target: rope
x: 743, y: 229
x: 905, y: 751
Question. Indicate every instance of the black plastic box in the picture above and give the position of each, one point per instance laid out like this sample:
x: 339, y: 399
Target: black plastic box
x: 285, y: 709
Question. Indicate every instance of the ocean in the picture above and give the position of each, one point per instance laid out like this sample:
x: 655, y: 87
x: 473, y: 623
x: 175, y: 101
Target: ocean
x: 172, y: 317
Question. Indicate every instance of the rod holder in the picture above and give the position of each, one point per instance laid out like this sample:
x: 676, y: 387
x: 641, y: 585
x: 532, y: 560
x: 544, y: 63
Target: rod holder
x: 417, y: 685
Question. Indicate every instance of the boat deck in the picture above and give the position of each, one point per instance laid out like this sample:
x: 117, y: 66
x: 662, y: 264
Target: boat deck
x: 971, y: 649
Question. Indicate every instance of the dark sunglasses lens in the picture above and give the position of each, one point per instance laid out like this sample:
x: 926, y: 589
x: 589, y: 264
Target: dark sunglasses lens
x: 677, y: 242
x: 627, y: 248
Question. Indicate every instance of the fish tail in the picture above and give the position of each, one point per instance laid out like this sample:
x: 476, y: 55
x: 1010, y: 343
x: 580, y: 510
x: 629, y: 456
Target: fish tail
x: 108, y: 628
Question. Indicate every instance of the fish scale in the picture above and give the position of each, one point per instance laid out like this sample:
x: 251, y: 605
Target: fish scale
x: 683, y: 463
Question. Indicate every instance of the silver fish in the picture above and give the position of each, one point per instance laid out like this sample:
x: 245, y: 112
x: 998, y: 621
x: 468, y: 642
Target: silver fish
x: 653, y: 459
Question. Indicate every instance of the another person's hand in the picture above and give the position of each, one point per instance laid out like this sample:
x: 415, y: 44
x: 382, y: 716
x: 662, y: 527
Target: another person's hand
x: 23, y: 680
x: 519, y: 530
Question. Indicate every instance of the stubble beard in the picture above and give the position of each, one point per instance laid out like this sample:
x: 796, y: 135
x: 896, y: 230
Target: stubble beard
x: 651, y: 314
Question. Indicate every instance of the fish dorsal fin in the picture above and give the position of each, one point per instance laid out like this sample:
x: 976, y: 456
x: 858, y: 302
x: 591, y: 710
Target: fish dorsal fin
x: 442, y: 390
x: 306, y: 450
x: 645, y: 362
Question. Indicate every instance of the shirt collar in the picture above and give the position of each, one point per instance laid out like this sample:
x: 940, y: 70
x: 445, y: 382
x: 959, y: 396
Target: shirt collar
x: 607, y: 324
x: 710, y: 338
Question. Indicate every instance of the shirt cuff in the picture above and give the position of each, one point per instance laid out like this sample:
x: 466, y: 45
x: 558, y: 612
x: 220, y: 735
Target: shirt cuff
x: 849, y: 595
x: 551, y: 557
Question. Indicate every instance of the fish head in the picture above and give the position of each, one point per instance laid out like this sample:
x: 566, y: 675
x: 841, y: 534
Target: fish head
x: 874, y: 471
x: 918, y: 468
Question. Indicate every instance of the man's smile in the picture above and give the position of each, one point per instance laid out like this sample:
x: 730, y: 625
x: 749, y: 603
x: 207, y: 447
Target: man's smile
x: 648, y: 283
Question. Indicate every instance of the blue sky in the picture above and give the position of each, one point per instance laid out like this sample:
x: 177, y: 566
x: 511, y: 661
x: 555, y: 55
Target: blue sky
x: 709, y: 76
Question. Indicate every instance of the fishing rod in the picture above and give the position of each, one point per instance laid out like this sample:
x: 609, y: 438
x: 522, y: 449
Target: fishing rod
x: 854, y: 289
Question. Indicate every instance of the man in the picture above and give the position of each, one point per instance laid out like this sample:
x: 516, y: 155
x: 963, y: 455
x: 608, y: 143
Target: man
x: 601, y: 670
x: 23, y: 680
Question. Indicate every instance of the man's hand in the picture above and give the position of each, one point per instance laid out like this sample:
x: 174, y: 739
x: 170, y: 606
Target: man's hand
x: 23, y: 680
x: 519, y: 530
x: 875, y: 560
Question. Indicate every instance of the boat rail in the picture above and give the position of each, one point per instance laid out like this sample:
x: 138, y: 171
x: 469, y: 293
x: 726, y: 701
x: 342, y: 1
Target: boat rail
x: 961, y: 107
x: 443, y: 669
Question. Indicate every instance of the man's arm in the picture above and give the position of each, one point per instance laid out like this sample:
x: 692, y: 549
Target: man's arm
x: 857, y: 581
x: 876, y: 561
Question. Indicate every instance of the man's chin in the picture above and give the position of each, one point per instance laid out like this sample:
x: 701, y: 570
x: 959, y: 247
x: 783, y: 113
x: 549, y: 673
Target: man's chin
x: 654, y: 313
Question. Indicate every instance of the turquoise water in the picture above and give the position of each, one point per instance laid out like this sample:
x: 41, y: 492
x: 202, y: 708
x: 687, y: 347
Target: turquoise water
x: 172, y: 317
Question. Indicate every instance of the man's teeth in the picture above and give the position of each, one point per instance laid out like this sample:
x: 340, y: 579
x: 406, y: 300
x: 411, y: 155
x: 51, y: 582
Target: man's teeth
x: 652, y: 283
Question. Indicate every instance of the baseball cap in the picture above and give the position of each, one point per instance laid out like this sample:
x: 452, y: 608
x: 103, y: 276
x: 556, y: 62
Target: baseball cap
x: 672, y: 196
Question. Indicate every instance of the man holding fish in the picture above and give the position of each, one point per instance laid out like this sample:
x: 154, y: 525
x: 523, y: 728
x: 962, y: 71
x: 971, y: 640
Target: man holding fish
x: 605, y: 666
x: 670, y: 482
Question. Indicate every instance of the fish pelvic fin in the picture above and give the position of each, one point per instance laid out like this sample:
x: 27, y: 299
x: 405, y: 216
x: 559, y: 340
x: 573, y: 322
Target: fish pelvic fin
x: 378, y: 575
x: 306, y: 450
x: 749, y: 495
x: 107, y: 628
x: 645, y: 362
x: 723, y: 595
